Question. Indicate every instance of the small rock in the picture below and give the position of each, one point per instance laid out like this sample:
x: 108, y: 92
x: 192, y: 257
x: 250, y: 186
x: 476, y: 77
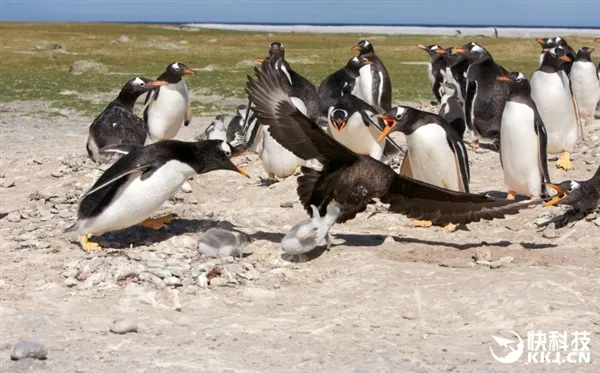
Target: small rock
x: 176, y: 271
x: 159, y: 272
x: 597, y: 222
x: 389, y: 240
x: 482, y: 253
x: 186, y: 242
x: 25, y: 237
x: 174, y: 262
x: 123, y: 326
x: 125, y: 272
x: 186, y: 187
x: 123, y: 39
x: 27, y: 349
x: 485, y: 263
x: 202, y: 280
x: 218, y: 281
x: 7, y: 183
x: 71, y: 272
x: 14, y: 217
x: 287, y: 204
x: 146, y: 276
x: 83, y: 66
x: 456, y: 263
x: 501, y: 262
x: 172, y: 281
x: 550, y: 231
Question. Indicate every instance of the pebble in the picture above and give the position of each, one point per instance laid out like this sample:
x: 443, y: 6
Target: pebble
x: 28, y: 349
x: 550, y: 231
x: 501, y: 262
x: 25, y: 237
x: 176, y: 271
x: 202, y: 280
x: 186, y: 187
x: 71, y: 272
x: 125, y: 272
x: 172, y: 281
x: 597, y: 222
x: 485, y: 263
x: 149, y: 256
x: 218, y: 281
x: 482, y: 253
x: 287, y: 204
x: 456, y: 263
x: 123, y: 326
x: 174, y: 262
x: 160, y: 272
x: 70, y: 282
x: 146, y: 276
x: 14, y: 217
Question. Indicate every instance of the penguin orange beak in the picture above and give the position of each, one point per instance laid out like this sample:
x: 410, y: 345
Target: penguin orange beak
x: 390, y: 123
x: 503, y: 78
x: 189, y: 71
x: 421, y: 46
x: 355, y: 48
x: 540, y: 41
x: 156, y: 83
x: 460, y: 50
x: 339, y: 124
x: 439, y: 51
x: 260, y: 60
x: 367, y: 62
x: 565, y: 58
x: 561, y: 194
x: 545, y: 50
x: 597, y: 40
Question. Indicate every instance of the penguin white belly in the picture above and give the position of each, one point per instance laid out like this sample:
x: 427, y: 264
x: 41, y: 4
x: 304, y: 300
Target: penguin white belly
x: 519, y: 150
x: 137, y: 199
x: 366, y: 84
x: 585, y: 86
x: 276, y: 159
x: 167, y: 113
x: 431, y: 158
x: 541, y: 59
x: 430, y: 73
x: 359, y: 138
x: 380, y: 91
x: 555, y: 107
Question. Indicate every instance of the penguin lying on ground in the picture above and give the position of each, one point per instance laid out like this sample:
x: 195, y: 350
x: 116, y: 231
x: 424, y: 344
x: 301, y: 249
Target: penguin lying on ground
x: 117, y: 124
x: 222, y: 242
x: 141, y: 181
x: 168, y: 106
x: 306, y: 235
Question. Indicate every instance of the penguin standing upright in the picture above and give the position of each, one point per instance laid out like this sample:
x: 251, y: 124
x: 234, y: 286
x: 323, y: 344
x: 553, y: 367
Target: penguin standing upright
x: 523, y: 141
x: 435, y: 155
x: 342, y: 82
x: 117, y: 124
x: 168, y: 107
x: 455, y: 72
x: 451, y: 108
x: 141, y: 181
x: 584, y: 83
x: 485, y: 96
x: 375, y: 82
x: 435, y: 68
x: 555, y: 106
x: 350, y: 124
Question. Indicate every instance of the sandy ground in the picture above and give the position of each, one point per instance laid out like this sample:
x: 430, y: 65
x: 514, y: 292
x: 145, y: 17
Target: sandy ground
x: 385, y: 298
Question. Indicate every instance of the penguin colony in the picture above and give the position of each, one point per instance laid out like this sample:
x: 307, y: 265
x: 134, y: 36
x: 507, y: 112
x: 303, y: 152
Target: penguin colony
x: 337, y: 134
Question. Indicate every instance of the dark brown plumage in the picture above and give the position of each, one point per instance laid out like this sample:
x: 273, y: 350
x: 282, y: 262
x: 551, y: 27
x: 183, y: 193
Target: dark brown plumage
x: 354, y: 180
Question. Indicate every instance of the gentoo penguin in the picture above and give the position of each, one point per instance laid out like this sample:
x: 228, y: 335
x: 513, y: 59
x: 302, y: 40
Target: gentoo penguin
x: 375, y: 83
x: 523, y: 141
x: 168, y: 107
x: 435, y: 68
x: 236, y: 123
x: 598, y: 41
x: 216, y: 130
x: 355, y: 180
x: 222, y: 242
x: 436, y: 153
x: 456, y: 71
x: 307, y: 234
x: 557, y: 41
x: 554, y: 104
x: 582, y: 196
x: 342, y: 82
x: 584, y: 83
x: 351, y: 124
x: 141, y: 181
x: 301, y: 89
x: 117, y: 124
x: 451, y: 108
x: 485, y: 96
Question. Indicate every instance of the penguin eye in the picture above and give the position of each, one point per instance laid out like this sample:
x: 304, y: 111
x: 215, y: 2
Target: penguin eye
x: 398, y: 116
x: 142, y: 84
x: 519, y: 80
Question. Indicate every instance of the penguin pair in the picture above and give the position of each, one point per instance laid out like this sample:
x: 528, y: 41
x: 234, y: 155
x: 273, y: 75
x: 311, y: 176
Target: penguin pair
x: 485, y: 96
x: 585, y: 84
x: 435, y: 68
x: 345, y: 81
x: 374, y: 81
x: 135, y: 186
x: 352, y: 123
x: 117, y: 124
x: 557, y: 42
x: 436, y: 153
x: 554, y: 103
x: 168, y: 107
x: 523, y: 142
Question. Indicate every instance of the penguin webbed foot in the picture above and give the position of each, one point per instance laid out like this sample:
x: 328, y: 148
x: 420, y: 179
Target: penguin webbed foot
x: 450, y: 227
x: 564, y: 162
x: 157, y: 223
x: 89, y: 246
x: 421, y: 223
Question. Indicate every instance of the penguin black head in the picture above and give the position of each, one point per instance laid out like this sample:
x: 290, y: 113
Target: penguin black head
x: 363, y: 47
x: 338, y: 118
x: 567, y: 193
x: 400, y: 117
x: 432, y: 50
x: 175, y: 71
x: 554, y: 42
x: 241, y: 110
x: 276, y: 50
x: 355, y: 63
x: 137, y: 86
x: 585, y: 54
x: 472, y: 49
x: 216, y: 155
x: 555, y: 57
x: 517, y: 82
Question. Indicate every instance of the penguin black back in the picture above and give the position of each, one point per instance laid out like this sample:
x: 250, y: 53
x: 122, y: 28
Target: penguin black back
x: 340, y: 83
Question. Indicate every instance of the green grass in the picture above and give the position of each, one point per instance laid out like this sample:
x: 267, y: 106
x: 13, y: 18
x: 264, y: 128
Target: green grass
x: 27, y: 74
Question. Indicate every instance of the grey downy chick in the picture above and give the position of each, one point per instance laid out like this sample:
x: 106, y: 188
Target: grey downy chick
x: 451, y: 108
x: 308, y: 234
x: 217, y: 130
x: 221, y: 242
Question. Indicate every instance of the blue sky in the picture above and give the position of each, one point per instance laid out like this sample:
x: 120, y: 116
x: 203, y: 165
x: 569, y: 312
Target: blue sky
x: 549, y: 13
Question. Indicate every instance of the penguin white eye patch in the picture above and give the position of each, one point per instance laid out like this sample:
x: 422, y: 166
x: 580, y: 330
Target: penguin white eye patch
x: 226, y: 149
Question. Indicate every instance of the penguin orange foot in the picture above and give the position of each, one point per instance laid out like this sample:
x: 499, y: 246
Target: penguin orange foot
x: 564, y: 162
x: 421, y: 223
x: 450, y: 227
x: 157, y: 223
x: 87, y: 245
x: 511, y: 195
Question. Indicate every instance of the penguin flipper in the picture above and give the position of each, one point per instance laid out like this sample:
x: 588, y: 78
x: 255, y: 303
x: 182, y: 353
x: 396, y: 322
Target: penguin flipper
x: 469, y: 97
x: 120, y: 148
x: 540, y: 130
x: 117, y: 177
x: 461, y: 161
x: 150, y: 97
x: 188, y: 115
x: 405, y: 169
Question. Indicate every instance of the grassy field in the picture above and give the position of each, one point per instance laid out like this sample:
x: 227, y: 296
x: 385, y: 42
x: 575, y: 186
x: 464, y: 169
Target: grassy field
x: 223, y: 59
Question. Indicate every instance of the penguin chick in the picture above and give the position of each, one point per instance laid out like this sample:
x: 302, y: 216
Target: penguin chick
x: 222, y: 242
x: 306, y: 235
x: 117, y: 124
x: 216, y: 130
x: 451, y: 108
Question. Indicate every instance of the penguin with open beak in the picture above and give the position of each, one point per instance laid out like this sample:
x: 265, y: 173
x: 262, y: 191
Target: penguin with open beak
x: 135, y: 186
x: 579, y: 195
